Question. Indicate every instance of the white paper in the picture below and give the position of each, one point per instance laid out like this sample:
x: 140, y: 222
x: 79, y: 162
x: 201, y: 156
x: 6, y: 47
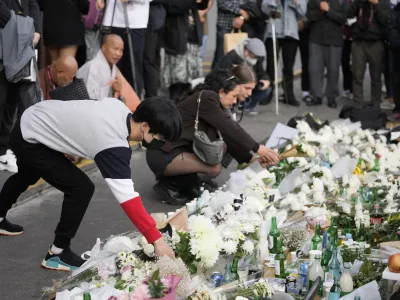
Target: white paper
x: 281, y: 131
x: 369, y: 291
x: 390, y: 276
x: 394, y: 135
x: 344, y: 165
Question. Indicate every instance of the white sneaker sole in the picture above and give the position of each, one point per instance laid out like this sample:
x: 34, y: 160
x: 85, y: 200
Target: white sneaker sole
x: 7, y: 233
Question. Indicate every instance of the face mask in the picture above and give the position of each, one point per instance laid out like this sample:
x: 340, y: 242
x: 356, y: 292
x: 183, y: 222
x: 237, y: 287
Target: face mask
x: 155, y: 144
x: 251, y: 61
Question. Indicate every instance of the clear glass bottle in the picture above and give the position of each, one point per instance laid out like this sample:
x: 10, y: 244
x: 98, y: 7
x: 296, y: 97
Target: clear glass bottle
x: 346, y: 281
x: 293, y: 267
x: 234, y: 269
x: 315, y: 271
x: 273, y: 236
x: 334, y: 266
x: 228, y: 274
x: 316, y: 240
x: 280, y: 261
x: 334, y: 293
x: 376, y: 215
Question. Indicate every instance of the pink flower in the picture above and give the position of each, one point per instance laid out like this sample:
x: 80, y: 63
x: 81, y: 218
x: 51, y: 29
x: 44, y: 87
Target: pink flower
x: 112, y: 298
x: 167, y: 282
x: 126, y: 269
x: 123, y: 297
x: 141, y: 293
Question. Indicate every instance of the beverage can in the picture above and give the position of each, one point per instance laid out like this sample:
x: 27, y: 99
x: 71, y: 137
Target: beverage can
x: 216, y: 279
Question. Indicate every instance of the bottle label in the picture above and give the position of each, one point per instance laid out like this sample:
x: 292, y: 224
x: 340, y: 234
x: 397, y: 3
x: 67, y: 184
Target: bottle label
x: 317, y: 246
x: 334, y: 296
x: 376, y: 221
x: 278, y: 269
x: 270, y: 242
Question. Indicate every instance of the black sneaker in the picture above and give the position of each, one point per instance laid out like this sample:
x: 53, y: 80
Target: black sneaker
x: 10, y: 229
x: 65, y: 261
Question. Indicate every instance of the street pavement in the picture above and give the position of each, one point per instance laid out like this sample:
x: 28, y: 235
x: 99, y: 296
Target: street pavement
x: 21, y: 276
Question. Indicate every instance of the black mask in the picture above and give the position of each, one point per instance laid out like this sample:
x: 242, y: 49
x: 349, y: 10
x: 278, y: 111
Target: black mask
x: 155, y: 144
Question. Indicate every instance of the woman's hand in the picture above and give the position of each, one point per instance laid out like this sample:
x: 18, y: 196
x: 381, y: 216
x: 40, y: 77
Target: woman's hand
x: 163, y: 249
x: 268, y: 156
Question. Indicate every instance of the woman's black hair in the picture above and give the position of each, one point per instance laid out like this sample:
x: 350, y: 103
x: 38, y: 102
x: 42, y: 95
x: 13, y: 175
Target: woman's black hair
x: 162, y: 116
x: 216, y: 80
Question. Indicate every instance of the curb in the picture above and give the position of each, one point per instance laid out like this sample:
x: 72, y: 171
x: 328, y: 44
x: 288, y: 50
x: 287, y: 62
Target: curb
x: 86, y: 165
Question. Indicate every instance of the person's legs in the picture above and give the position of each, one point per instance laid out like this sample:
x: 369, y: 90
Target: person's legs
x: 188, y: 163
x: 4, y: 118
x: 304, y: 55
x: 359, y: 64
x: 203, y: 46
x: 388, y: 73
x: 346, y: 69
x: 375, y: 52
x: 68, y: 51
x: 150, y: 66
x: 316, y: 69
x: 138, y: 41
x: 54, y: 53
x: 256, y: 97
x: 93, y: 43
x: 334, y: 54
x: 396, y: 79
x: 289, y: 50
x: 26, y: 96
x: 219, y: 47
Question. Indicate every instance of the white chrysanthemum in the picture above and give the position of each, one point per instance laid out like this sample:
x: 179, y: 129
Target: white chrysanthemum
x: 230, y: 247
x: 305, y: 189
x: 248, y: 246
x: 241, y: 298
x: 248, y: 228
x: 228, y: 209
x: 148, y: 249
x: 126, y: 275
x: 318, y: 186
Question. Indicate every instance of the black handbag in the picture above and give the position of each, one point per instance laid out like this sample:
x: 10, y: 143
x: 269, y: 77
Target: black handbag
x: 211, y: 153
x: 369, y: 115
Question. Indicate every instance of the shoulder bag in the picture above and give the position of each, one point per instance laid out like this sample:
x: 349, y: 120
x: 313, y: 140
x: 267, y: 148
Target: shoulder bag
x: 211, y: 153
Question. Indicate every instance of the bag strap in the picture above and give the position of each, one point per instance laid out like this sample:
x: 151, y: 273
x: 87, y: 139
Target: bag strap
x: 196, y: 121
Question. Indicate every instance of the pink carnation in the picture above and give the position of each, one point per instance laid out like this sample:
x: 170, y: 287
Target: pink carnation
x: 123, y: 297
x: 126, y: 269
x: 141, y: 293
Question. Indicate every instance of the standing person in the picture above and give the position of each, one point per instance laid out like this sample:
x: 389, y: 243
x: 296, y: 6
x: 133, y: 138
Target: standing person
x: 19, y: 95
x: 204, y: 7
x: 181, y: 40
x: 304, y: 35
x: 51, y: 128
x: 63, y: 28
x: 138, y: 17
x: 346, y: 54
x: 92, y: 25
x: 151, y: 56
x: 287, y: 34
x: 394, y: 42
x: 325, y: 49
x: 368, y: 47
x: 230, y: 17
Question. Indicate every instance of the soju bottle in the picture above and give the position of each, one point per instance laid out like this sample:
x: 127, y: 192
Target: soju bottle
x: 280, y: 261
x: 228, y: 274
x: 336, y: 235
x: 324, y: 264
x: 362, y: 237
x: 86, y: 296
x: 334, y: 293
x: 234, y: 269
x: 273, y: 236
x: 331, y: 229
x: 316, y: 240
x: 348, y: 226
x: 346, y: 281
x: 334, y: 266
x: 315, y: 272
x: 330, y: 248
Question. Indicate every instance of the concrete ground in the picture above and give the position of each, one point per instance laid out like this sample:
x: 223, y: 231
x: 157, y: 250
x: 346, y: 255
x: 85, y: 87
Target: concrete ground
x: 22, y: 278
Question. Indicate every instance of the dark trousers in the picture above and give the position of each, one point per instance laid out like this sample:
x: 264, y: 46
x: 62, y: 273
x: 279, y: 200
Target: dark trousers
x: 219, y: 46
x: 138, y: 41
x: 37, y: 161
x: 14, y: 97
x: 303, y: 45
x: 151, y: 61
x: 371, y: 53
x: 256, y: 97
x: 346, y: 68
x: 177, y: 90
x: 324, y: 56
x: 388, y: 71
x: 396, y: 78
x: 289, y: 49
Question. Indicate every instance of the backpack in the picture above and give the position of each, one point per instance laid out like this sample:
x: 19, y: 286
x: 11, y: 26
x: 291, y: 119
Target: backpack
x: 369, y: 115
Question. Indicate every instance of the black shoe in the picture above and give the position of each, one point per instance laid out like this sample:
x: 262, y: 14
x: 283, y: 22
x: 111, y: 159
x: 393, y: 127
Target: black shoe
x: 293, y: 102
x: 65, y: 261
x: 332, y: 103
x: 307, y: 99
x: 210, y: 185
x: 314, y: 101
x: 7, y: 228
x: 185, y: 184
x: 170, y: 195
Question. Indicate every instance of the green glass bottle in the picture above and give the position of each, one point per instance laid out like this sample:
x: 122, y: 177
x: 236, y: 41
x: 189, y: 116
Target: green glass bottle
x: 273, y: 236
x: 362, y: 237
x: 317, y: 240
x: 330, y: 248
x: 324, y: 264
x: 86, y: 296
x: 280, y: 261
x: 348, y: 226
x: 331, y: 229
x: 336, y: 235
x: 334, y: 293
x: 228, y: 274
x: 234, y: 269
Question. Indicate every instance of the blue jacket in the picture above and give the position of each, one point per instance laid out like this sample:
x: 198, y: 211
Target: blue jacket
x: 286, y: 26
x: 394, y: 27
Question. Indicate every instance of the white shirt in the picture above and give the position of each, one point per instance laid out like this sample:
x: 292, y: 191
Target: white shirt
x: 97, y: 75
x: 138, y: 14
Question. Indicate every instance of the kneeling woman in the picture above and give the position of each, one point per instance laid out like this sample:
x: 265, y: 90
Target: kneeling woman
x: 176, y: 166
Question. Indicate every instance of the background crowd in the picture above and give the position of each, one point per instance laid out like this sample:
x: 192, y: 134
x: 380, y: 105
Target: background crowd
x: 133, y: 49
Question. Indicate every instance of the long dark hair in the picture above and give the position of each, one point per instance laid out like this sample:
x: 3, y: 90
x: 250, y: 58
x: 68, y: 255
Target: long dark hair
x: 216, y: 80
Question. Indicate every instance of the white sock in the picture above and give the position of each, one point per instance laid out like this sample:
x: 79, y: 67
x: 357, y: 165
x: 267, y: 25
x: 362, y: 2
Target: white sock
x: 306, y: 93
x: 1, y: 219
x: 56, y: 250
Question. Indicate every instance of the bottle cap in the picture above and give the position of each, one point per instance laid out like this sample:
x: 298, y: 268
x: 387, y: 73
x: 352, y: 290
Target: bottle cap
x: 348, y: 236
x: 376, y: 206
